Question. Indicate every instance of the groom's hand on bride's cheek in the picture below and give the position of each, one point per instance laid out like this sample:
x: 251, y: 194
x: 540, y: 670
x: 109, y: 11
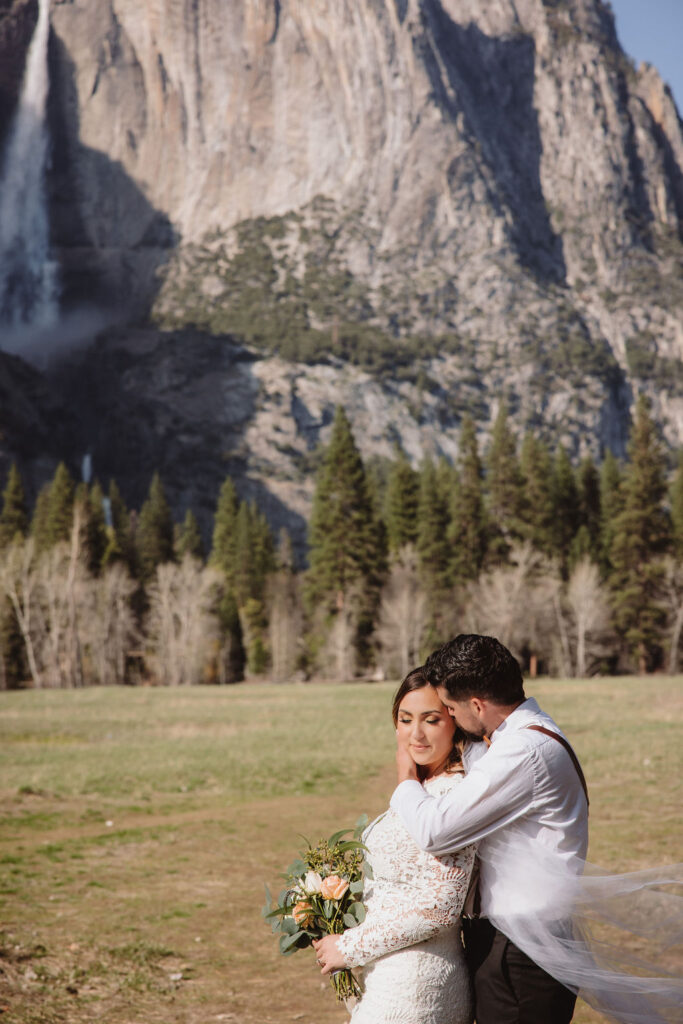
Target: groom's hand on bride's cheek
x: 405, y: 766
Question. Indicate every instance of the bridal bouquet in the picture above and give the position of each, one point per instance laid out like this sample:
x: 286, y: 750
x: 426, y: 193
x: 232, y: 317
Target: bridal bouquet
x: 322, y: 897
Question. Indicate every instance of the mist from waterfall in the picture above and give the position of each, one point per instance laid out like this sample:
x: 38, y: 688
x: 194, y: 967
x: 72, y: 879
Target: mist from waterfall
x: 28, y: 277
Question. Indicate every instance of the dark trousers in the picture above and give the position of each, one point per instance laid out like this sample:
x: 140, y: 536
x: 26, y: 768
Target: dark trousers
x: 509, y: 988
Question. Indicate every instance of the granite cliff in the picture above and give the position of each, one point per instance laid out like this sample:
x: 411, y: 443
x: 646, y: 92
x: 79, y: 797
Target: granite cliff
x: 415, y: 207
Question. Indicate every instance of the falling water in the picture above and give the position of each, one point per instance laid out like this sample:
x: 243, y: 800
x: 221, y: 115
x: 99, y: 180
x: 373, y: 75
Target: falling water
x: 28, y: 286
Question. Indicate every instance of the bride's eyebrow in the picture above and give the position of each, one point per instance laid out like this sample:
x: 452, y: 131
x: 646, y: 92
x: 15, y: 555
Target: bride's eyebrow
x: 423, y: 714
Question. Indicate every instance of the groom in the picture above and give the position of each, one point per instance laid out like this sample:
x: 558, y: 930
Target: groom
x: 523, y: 786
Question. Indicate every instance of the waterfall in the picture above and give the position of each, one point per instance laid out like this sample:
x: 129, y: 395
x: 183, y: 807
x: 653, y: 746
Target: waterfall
x: 28, y: 277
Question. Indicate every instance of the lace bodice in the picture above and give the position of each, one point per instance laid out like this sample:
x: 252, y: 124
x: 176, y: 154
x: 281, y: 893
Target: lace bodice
x: 413, y: 895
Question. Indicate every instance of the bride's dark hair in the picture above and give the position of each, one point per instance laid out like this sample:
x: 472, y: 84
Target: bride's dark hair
x: 416, y: 680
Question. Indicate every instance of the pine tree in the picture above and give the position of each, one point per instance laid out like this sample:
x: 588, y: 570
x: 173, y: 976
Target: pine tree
x: 223, y: 557
x: 565, y: 496
x: 641, y: 536
x: 94, y: 529
x: 14, y: 514
x: 611, y: 503
x: 223, y: 545
x: 254, y: 560
x: 537, y: 513
x: 60, y: 506
x: 433, y: 548
x: 588, y: 482
x: 677, y: 511
x: 504, y: 488
x: 467, y: 529
x: 345, y: 549
x: 233, y: 654
x: 13, y: 525
x: 120, y: 542
x: 154, y: 533
x: 401, y: 504
x: 39, y: 520
x: 254, y: 556
x: 189, y: 538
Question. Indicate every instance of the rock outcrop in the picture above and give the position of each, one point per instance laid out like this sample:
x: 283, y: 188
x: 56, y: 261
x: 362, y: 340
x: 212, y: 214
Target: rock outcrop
x: 416, y: 207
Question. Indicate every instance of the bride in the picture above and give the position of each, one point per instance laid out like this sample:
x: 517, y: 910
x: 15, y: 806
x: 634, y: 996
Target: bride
x: 409, y: 945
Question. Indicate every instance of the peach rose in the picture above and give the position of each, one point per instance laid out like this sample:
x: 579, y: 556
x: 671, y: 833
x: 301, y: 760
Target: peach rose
x: 333, y: 887
x: 303, y: 913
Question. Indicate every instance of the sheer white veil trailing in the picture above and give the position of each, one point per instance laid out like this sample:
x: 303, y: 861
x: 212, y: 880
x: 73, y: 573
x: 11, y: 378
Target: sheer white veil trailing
x: 570, y: 918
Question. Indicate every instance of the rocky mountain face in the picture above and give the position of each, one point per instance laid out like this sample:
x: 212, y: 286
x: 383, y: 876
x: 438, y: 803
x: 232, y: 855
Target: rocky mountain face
x: 417, y: 208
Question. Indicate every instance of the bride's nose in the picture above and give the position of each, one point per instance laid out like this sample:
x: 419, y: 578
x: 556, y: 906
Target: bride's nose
x: 417, y: 731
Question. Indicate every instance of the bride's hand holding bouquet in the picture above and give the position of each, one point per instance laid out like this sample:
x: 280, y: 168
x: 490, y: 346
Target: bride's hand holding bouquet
x: 323, y: 897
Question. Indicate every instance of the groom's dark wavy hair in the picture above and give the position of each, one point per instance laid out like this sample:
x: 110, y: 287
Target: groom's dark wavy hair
x: 471, y: 665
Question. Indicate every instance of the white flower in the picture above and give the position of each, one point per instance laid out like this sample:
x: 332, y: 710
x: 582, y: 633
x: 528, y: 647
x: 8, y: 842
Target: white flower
x: 311, y: 882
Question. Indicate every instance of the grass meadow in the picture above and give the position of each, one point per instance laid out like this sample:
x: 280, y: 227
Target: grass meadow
x: 138, y: 827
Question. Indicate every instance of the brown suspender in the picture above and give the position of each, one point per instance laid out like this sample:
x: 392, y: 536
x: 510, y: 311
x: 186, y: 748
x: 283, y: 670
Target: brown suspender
x: 575, y: 760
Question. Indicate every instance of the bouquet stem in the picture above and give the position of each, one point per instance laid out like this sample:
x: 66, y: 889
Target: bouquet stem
x: 345, y: 985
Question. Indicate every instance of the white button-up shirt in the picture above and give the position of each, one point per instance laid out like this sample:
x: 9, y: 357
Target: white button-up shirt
x: 521, y: 791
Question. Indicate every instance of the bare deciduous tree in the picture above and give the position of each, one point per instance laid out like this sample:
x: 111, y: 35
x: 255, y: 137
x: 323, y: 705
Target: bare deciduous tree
x: 285, y: 623
x: 511, y: 601
x: 402, y: 615
x: 59, y: 651
x: 673, y: 600
x: 63, y: 579
x: 340, y: 649
x: 182, y: 622
x: 337, y: 656
x: 108, y: 630
x: 19, y: 582
x: 589, y: 608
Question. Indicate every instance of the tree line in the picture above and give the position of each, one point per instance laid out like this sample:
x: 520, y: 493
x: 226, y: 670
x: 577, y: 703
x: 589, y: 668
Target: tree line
x: 578, y: 570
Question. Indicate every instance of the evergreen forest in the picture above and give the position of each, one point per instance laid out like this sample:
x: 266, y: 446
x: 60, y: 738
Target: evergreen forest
x: 578, y: 569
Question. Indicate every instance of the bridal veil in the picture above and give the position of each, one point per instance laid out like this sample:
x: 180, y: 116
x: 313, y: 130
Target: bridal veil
x: 571, y: 918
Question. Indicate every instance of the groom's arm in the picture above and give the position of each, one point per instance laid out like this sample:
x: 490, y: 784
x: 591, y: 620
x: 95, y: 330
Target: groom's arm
x: 498, y: 790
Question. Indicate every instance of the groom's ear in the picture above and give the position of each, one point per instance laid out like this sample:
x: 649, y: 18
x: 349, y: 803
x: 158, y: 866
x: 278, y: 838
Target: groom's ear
x: 477, y: 705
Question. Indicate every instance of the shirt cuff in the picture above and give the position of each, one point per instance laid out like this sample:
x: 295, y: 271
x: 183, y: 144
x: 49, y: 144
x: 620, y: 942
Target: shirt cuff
x: 406, y: 793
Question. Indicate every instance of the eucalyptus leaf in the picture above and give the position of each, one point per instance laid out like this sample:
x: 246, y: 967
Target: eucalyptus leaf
x: 356, y: 887
x: 278, y: 912
x: 358, y: 911
x: 287, y: 941
x: 298, y: 868
x: 350, y: 921
x: 351, y: 844
x: 360, y: 826
x: 334, y: 839
x: 268, y: 905
x: 289, y: 926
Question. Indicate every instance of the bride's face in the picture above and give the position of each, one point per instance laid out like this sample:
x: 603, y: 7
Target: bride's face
x: 426, y: 727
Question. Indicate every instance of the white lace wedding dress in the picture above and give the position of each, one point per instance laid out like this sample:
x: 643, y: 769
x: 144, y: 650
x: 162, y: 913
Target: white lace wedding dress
x: 409, y: 944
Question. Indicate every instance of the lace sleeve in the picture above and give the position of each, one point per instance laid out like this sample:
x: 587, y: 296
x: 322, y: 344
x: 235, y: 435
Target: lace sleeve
x: 429, y: 899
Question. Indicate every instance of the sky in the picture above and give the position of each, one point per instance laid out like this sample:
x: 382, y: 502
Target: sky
x: 652, y: 30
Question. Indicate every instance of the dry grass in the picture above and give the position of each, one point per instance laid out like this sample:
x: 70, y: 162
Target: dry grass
x: 156, y: 916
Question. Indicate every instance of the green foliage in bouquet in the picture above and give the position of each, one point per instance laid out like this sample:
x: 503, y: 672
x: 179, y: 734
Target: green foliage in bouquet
x: 323, y: 896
